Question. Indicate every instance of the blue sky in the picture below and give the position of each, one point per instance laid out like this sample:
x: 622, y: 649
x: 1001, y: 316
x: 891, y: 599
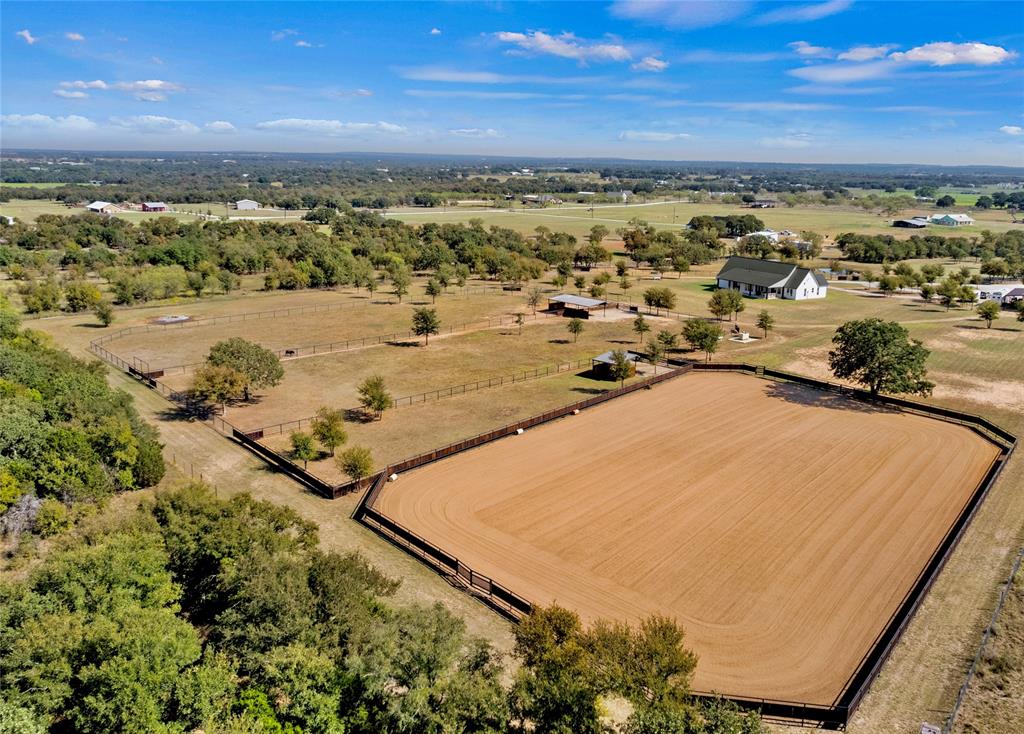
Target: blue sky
x: 823, y: 81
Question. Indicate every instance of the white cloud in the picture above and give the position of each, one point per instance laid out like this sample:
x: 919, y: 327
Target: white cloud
x: 68, y: 94
x: 844, y: 73
x: 283, y: 34
x: 220, y: 126
x: 435, y: 31
x: 829, y: 89
x: 940, y: 54
x: 74, y: 37
x: 476, y: 132
x: 304, y: 44
x: 866, y: 53
x: 157, y: 60
x: 650, y: 63
x: 946, y: 53
x: 680, y: 13
x: 651, y: 136
x: 804, y: 12
x: 329, y: 127
x: 95, y: 84
x: 807, y: 51
x: 565, y: 45
x: 71, y: 122
x: 620, y: 97
x: 146, y: 90
x: 154, y: 124
x: 1012, y: 130
x: 788, y: 142
x: 27, y: 35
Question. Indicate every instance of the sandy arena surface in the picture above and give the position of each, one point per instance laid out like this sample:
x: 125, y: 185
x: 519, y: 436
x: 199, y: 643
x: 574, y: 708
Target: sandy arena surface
x: 781, y: 526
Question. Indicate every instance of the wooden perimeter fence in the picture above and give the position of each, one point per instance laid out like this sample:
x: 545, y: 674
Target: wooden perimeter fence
x: 512, y: 605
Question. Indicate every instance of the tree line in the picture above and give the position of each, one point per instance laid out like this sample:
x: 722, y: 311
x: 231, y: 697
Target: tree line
x: 1008, y: 246
x: 224, y: 615
x: 68, y: 441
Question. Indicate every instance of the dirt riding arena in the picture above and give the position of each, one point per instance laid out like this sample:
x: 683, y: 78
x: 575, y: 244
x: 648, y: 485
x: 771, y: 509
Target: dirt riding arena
x: 781, y: 526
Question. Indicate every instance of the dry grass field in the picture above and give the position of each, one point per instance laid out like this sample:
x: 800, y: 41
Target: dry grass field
x: 783, y: 548
x: 356, y: 316
x: 977, y: 370
x: 409, y: 367
x: 576, y: 219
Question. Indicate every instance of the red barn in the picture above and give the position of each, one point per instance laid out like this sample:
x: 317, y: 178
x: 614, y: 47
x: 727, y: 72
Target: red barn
x: 154, y: 206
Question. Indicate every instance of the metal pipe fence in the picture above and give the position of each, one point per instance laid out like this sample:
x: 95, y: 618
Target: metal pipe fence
x: 439, y: 394
x: 989, y: 630
x: 341, y: 345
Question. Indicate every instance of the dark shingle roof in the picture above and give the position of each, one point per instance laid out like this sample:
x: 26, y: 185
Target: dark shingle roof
x: 766, y: 273
x: 756, y: 272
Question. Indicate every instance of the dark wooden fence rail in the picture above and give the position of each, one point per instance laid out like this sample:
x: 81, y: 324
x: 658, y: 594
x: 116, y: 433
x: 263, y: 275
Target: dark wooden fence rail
x: 514, y: 606
x: 510, y: 604
x: 871, y: 664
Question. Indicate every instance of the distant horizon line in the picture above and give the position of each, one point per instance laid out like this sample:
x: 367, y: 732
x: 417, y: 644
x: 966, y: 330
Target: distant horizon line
x: 495, y: 156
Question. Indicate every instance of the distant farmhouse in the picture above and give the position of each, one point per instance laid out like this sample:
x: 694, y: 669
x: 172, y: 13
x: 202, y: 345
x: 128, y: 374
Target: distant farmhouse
x: 914, y: 223
x: 1005, y: 294
x: 102, y: 207
x: 154, y: 206
x: 763, y: 204
x: 952, y: 220
x: 246, y: 204
x: 771, y: 279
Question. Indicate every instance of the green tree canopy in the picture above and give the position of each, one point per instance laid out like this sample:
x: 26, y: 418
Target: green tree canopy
x: 328, y: 427
x: 261, y: 366
x: 356, y: 462
x: 881, y: 356
x: 425, y: 322
x: 374, y: 396
x: 703, y: 336
x: 575, y: 327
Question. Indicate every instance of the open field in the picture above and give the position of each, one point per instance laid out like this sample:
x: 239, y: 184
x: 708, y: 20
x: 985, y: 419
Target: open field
x: 28, y: 209
x: 577, y: 220
x: 639, y: 506
x: 357, y: 316
x: 47, y: 185
x: 977, y: 370
x: 409, y: 367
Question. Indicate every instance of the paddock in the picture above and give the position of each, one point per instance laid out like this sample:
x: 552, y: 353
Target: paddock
x: 783, y: 527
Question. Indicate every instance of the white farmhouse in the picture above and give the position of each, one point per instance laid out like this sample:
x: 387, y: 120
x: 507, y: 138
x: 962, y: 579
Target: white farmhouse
x: 249, y: 204
x: 952, y: 220
x: 771, y: 279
